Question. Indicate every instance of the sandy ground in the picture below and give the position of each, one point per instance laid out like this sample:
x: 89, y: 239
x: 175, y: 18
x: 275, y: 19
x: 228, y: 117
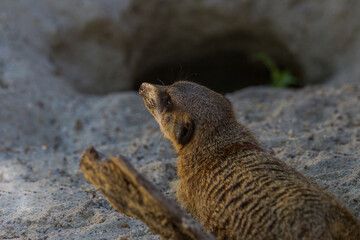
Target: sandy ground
x: 45, y: 125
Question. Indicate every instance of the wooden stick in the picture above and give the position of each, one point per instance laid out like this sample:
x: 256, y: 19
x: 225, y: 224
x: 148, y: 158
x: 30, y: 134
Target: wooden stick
x: 130, y: 193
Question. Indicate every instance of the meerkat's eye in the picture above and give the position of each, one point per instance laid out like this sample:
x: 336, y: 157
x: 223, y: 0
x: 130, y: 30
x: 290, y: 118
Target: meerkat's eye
x: 165, y: 102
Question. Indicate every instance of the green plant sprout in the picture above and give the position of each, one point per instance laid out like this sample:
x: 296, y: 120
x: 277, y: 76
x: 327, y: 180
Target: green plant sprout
x: 279, y: 78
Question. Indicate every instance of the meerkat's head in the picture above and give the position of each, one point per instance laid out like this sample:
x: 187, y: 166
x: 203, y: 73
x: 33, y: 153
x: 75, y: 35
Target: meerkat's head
x: 186, y: 112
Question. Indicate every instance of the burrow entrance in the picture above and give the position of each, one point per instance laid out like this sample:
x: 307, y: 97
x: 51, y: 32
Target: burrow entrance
x: 222, y: 70
x: 98, y: 59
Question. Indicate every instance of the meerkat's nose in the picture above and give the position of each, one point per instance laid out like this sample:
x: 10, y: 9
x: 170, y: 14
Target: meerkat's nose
x: 146, y: 87
x: 143, y: 88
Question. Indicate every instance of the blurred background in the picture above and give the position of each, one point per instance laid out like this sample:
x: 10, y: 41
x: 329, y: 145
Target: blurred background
x: 226, y: 45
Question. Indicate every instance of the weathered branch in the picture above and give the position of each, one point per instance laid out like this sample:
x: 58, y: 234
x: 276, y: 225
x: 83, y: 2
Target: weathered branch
x: 130, y: 193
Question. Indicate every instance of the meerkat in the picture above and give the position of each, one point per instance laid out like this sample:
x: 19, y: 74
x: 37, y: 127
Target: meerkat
x: 227, y: 181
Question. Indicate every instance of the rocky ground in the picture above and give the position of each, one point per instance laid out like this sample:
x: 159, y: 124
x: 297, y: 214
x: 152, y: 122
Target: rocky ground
x: 45, y: 125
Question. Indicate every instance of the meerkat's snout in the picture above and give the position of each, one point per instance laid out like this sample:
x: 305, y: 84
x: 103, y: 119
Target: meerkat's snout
x: 149, y: 93
x: 144, y: 88
x: 141, y: 89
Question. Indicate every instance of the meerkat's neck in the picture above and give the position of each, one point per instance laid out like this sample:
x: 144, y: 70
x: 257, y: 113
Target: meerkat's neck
x: 224, y: 136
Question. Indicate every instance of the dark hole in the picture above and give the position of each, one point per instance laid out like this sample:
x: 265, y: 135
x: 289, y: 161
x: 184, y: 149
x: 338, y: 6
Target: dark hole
x: 222, y: 71
x: 97, y: 59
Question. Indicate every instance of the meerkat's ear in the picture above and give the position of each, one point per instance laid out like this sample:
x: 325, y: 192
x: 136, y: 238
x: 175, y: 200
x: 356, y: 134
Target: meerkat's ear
x: 184, y: 130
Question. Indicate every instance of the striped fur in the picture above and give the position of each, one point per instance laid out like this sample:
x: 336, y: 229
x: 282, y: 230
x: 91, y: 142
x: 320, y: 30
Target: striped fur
x: 231, y: 185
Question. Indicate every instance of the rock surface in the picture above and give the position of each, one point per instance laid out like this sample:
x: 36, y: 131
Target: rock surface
x: 45, y: 124
x: 103, y: 47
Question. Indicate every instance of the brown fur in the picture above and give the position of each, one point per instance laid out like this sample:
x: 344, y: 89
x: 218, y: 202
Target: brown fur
x: 229, y: 183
